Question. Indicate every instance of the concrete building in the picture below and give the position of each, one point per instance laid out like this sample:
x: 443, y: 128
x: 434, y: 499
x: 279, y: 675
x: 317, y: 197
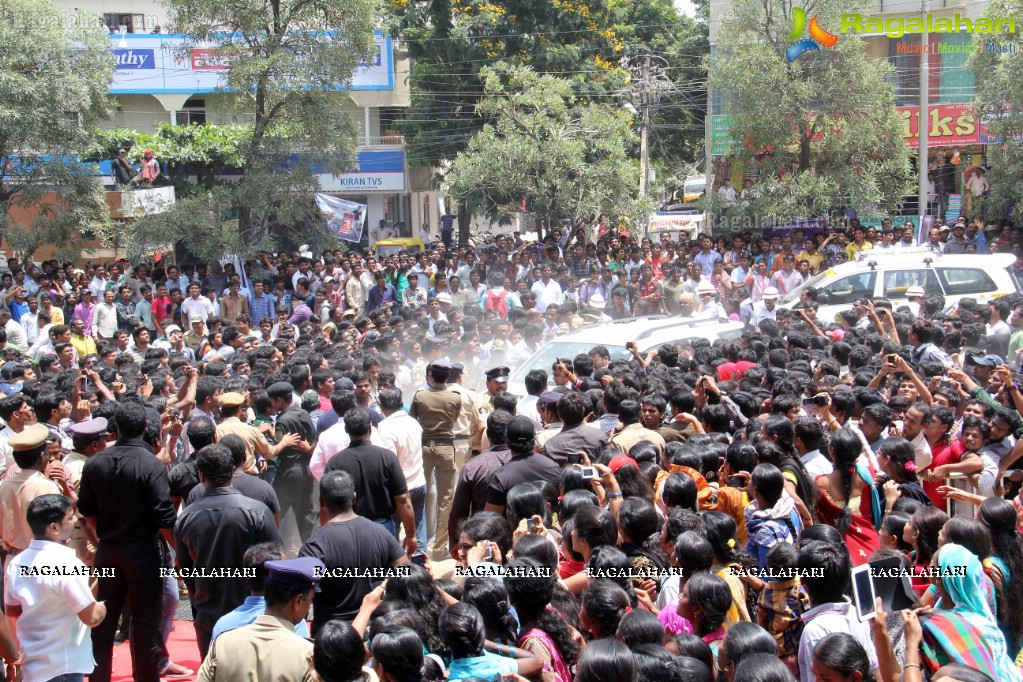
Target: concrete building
x: 952, y: 128
x: 156, y: 83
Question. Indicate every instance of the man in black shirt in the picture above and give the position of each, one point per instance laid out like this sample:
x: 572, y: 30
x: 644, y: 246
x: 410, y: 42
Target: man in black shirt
x: 380, y: 484
x: 213, y: 533
x: 346, y: 540
x: 248, y: 485
x: 525, y: 466
x: 294, y: 482
x: 125, y: 497
x: 184, y: 475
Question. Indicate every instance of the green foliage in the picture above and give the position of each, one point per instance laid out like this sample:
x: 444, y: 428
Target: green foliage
x: 53, y: 89
x: 200, y: 150
x: 565, y: 159
x: 999, y: 101
x: 288, y: 62
x: 584, y: 41
x: 825, y: 126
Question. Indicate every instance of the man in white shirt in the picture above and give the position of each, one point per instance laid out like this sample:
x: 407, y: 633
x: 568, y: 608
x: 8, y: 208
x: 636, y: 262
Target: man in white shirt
x: 831, y: 612
x: 196, y: 305
x: 335, y: 439
x: 547, y: 291
x: 104, y: 317
x: 808, y: 438
x: 47, y: 596
x: 30, y: 321
x: 766, y: 309
x: 99, y: 283
x: 726, y: 191
x: 402, y: 435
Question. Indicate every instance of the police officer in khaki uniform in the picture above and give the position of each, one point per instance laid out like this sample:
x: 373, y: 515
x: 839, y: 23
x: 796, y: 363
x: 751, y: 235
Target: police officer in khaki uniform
x: 88, y: 438
x: 497, y: 382
x: 437, y: 411
x: 16, y: 492
x: 463, y: 426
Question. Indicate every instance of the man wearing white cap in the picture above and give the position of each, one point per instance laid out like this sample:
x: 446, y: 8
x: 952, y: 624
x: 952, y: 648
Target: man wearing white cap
x: 597, y: 304
x: 706, y: 307
x: 915, y: 296
x: 766, y: 308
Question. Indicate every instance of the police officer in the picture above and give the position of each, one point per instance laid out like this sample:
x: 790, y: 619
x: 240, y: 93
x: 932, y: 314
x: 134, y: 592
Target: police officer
x: 497, y: 382
x: 88, y: 438
x: 437, y: 410
x: 463, y: 426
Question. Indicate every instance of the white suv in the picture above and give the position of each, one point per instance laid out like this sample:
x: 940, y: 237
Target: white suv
x: 890, y: 273
x: 648, y: 333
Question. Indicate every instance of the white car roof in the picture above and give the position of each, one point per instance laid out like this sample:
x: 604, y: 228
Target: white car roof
x: 648, y: 332
x: 919, y: 255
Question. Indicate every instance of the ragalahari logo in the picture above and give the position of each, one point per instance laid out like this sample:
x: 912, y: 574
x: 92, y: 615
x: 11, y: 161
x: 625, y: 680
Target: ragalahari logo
x: 818, y: 36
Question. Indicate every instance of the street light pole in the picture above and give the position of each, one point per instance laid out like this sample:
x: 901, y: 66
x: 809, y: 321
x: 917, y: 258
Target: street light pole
x: 923, y: 119
x: 644, y: 153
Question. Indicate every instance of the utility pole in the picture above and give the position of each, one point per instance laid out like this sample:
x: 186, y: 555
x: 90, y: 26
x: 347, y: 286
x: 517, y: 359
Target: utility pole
x: 923, y: 119
x: 644, y: 154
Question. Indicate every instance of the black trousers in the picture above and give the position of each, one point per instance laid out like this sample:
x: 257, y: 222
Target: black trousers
x: 203, y: 625
x: 136, y: 569
x: 296, y: 489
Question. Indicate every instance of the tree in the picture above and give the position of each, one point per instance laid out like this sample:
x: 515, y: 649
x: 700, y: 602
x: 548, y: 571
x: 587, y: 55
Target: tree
x: 823, y: 129
x: 288, y: 63
x: 53, y: 90
x: 587, y: 42
x: 999, y: 105
x: 559, y: 158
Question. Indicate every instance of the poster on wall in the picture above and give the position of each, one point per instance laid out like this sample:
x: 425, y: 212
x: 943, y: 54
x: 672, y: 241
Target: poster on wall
x: 344, y: 218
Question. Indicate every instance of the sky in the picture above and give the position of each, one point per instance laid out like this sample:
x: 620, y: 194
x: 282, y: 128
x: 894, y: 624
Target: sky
x: 686, y: 7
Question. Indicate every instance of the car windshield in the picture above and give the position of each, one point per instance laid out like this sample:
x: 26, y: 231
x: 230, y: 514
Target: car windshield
x: 546, y: 356
x: 794, y: 294
x: 386, y: 251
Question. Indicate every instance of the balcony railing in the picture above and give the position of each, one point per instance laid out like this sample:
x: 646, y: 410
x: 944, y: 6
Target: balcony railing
x: 383, y: 141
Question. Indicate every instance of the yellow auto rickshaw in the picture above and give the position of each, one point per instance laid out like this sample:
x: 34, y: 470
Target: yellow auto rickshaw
x: 390, y: 247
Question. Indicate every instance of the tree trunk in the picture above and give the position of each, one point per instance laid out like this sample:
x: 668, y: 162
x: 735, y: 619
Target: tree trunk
x: 804, y: 152
x: 463, y: 222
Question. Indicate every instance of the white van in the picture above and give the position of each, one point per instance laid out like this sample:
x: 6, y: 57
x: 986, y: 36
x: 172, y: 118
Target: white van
x: 890, y: 273
x: 648, y: 333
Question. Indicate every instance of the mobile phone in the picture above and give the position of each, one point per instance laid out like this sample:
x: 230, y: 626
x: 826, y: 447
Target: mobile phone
x: 863, y: 592
x: 807, y: 402
x: 736, y: 482
x: 531, y: 525
x: 945, y: 382
x: 590, y: 473
x: 488, y: 555
x: 419, y: 559
x: 821, y: 400
x: 574, y: 458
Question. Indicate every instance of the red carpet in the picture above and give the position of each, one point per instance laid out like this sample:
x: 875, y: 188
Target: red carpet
x: 181, y: 646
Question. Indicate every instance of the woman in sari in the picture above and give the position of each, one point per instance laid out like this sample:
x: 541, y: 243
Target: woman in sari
x: 848, y: 499
x: 543, y: 632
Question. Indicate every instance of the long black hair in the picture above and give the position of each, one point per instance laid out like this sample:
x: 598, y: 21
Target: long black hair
x: 399, y: 651
x: 417, y: 591
x: 338, y: 653
x: 719, y: 529
x: 610, y: 563
x: 762, y: 668
x: 845, y: 448
x: 490, y: 597
x: 604, y: 603
x: 713, y: 595
x: 606, y: 660
x: 927, y: 522
x: 640, y: 626
x: 530, y: 590
x: 844, y: 654
x: 999, y: 515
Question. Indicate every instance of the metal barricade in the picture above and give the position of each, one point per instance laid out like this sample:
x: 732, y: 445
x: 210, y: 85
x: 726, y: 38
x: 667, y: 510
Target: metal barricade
x: 964, y: 483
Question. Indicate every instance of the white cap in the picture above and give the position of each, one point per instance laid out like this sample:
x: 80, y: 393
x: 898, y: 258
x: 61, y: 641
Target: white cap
x: 913, y: 292
x: 597, y: 301
x: 443, y: 297
x: 770, y: 293
x: 705, y: 287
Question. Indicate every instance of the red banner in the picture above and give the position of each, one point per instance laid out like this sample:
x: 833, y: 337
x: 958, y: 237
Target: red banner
x: 949, y: 125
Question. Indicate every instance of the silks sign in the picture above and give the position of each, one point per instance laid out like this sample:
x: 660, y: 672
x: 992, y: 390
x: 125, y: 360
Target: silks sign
x: 946, y: 125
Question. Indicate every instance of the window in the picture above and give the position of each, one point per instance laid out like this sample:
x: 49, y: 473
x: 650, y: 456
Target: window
x: 965, y: 281
x: 192, y: 113
x: 133, y: 23
x: 897, y: 282
x: 849, y: 288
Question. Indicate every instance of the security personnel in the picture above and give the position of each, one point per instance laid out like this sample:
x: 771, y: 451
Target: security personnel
x: 437, y: 411
x: 294, y: 482
x: 497, y: 382
x: 16, y: 492
x: 269, y: 649
x: 87, y: 438
x: 548, y: 408
x: 463, y: 426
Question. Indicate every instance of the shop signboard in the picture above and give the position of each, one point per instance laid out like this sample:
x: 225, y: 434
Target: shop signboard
x: 161, y: 63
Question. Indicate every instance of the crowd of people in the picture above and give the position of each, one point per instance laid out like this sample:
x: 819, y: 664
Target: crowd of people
x: 691, y: 513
